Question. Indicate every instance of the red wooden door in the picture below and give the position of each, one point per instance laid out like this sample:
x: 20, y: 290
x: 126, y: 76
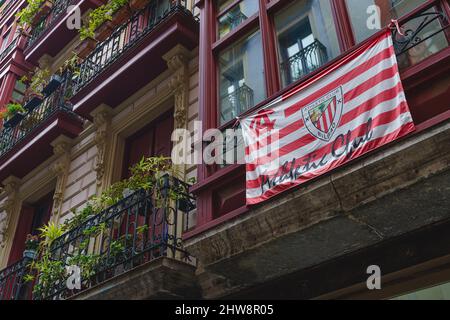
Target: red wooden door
x: 153, y: 140
x: 30, y: 220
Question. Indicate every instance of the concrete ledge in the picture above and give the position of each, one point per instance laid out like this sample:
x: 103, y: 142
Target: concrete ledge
x: 391, y: 192
x: 160, y: 279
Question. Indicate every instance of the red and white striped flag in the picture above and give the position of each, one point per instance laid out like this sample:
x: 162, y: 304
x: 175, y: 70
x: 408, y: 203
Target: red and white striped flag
x: 351, y: 108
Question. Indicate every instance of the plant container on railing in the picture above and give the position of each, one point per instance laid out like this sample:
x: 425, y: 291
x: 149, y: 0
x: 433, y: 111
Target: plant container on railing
x: 85, y: 47
x: 30, y: 254
x: 184, y: 205
x: 46, y: 7
x: 53, y: 84
x: 104, y: 31
x: 33, y: 103
x: 138, y: 4
x: 14, y: 120
x: 121, y: 16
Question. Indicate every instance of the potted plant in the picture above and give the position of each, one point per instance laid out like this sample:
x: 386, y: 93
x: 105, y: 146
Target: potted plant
x: 37, y: 84
x: 34, y: 12
x: 121, y: 12
x: 31, y: 247
x: 45, y: 7
x: 53, y: 84
x: 13, y: 115
x: 86, y: 47
x: 99, y: 24
x: 34, y: 100
x: 104, y: 31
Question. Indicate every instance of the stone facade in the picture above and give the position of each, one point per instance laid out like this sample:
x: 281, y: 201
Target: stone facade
x: 78, y: 171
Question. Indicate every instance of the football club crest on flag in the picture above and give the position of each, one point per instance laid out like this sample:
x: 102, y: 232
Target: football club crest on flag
x: 323, y: 115
x: 349, y: 109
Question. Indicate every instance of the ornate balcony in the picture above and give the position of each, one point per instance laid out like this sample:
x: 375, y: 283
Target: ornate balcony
x: 12, y: 284
x: 133, y: 244
x: 423, y: 55
x: 237, y: 102
x: 25, y: 143
x: 132, y: 55
x: 51, y: 33
x: 306, y: 61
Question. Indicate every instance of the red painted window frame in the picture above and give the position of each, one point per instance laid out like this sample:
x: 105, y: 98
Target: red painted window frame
x: 212, y: 176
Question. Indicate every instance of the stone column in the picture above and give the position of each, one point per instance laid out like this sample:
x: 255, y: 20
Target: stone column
x: 102, y: 124
x: 8, y: 213
x: 61, y: 148
x: 177, y: 60
x: 8, y: 207
x: 178, y: 63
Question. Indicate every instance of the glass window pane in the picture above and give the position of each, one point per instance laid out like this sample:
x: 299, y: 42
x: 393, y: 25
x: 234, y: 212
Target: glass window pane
x: 425, y: 41
x: 307, y: 38
x: 231, y: 19
x: 368, y: 16
x: 242, y: 83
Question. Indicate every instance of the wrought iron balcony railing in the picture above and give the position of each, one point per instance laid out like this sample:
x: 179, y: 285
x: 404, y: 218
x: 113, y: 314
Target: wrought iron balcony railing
x: 28, y: 123
x: 59, y: 8
x: 138, y: 229
x: 236, y: 103
x: 125, y: 37
x: 12, y: 281
x: 304, y: 62
x: 424, y: 34
x: 9, y: 48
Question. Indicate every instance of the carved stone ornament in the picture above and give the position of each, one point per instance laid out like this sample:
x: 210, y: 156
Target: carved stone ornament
x: 102, y: 121
x: 61, y: 148
x: 177, y: 60
x: 6, y: 209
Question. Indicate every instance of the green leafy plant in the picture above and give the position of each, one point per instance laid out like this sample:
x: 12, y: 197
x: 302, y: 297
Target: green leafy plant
x: 50, y: 233
x: 27, y: 14
x: 99, y: 16
x: 149, y: 174
x: 32, y: 242
x: 11, y: 110
x: 71, y: 65
x: 36, y: 81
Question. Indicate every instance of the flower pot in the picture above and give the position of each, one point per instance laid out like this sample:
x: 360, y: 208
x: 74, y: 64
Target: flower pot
x: 14, y: 120
x: 85, y: 48
x: 104, y: 31
x: 33, y: 103
x: 184, y: 205
x: 30, y: 254
x: 120, y: 16
x: 128, y: 193
x: 138, y: 4
x: 53, y: 84
x: 46, y: 7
